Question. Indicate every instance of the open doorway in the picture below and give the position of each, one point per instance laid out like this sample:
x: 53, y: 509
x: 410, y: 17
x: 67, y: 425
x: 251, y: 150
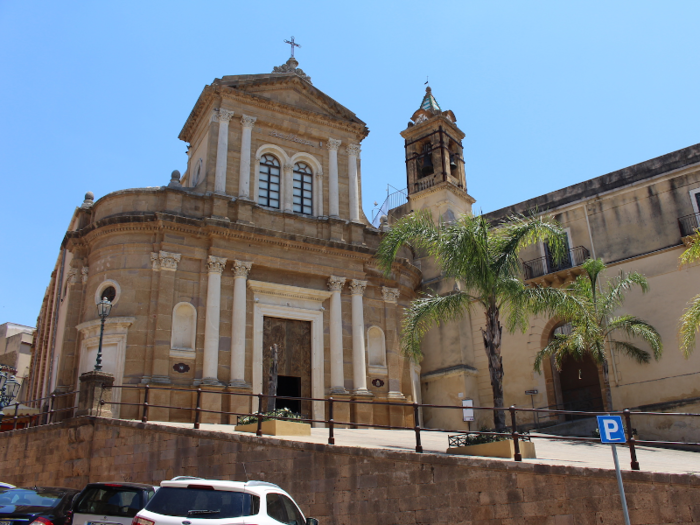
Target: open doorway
x: 289, y: 386
x: 580, y: 386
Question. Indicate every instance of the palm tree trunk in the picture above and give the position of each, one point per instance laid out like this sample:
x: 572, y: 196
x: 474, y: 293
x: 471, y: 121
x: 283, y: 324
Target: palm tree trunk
x: 492, y: 345
x: 606, y: 380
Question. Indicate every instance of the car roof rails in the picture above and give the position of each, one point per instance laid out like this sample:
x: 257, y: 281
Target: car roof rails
x: 261, y: 484
x: 178, y: 478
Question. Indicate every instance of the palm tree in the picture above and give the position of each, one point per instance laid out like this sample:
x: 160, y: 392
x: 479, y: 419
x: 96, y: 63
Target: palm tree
x: 690, y: 320
x: 484, y: 261
x: 590, y: 311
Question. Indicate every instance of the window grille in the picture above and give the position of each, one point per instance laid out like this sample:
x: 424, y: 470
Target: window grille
x: 269, y: 182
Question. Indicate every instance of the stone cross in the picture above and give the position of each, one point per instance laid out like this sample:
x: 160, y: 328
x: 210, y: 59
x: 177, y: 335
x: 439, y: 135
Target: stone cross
x: 293, y: 44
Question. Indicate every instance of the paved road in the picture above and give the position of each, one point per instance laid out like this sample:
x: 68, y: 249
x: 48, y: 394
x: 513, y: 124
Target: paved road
x: 549, y: 451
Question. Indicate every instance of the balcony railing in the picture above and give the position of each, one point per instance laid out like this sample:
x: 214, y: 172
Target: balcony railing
x: 689, y: 224
x: 545, y: 265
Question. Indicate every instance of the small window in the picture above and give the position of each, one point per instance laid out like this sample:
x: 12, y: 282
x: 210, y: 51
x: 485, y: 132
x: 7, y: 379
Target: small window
x: 303, y: 189
x: 269, y: 182
x: 191, y: 503
x: 108, y: 289
x: 109, y: 293
x: 111, y: 501
x: 294, y: 515
x: 276, y: 508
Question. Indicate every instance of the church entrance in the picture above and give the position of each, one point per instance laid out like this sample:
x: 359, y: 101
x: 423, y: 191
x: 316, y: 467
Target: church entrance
x: 293, y: 340
x: 580, y: 386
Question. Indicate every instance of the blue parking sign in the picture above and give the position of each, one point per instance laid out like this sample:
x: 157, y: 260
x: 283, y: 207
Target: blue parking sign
x: 611, y: 429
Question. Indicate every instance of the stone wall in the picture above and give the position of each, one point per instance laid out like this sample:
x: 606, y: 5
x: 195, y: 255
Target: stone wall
x: 344, y: 485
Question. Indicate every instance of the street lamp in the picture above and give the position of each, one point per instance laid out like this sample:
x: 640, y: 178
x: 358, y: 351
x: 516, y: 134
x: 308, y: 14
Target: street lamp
x: 103, y: 309
x: 9, y: 388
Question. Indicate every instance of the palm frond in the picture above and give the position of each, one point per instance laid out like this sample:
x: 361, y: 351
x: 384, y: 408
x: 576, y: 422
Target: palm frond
x: 416, y: 230
x: 635, y: 327
x: 631, y: 350
x: 615, y: 293
x: 426, y: 312
x: 692, y: 253
x: 690, y: 325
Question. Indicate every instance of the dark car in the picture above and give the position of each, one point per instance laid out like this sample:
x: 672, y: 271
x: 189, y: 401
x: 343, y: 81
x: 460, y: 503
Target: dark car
x: 110, y: 503
x: 36, y: 506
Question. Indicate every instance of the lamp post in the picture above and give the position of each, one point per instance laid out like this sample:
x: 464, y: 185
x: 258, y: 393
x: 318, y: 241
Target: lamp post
x: 103, y: 309
x: 9, y: 387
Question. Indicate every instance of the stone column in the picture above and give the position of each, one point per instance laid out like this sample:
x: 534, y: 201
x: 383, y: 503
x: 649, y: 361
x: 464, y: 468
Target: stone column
x: 223, y: 117
x: 244, y: 176
x: 333, y: 146
x: 353, y: 153
x: 240, y: 273
x: 215, y: 267
x: 359, y: 367
x: 287, y: 186
x: 335, y: 285
x: 318, y: 193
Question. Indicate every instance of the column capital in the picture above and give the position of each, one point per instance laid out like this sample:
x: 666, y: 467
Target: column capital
x: 168, y: 260
x: 357, y: 287
x: 333, y: 144
x: 248, y: 122
x: 241, y: 268
x: 335, y: 284
x: 354, y: 150
x: 216, y: 264
x: 224, y: 115
x: 390, y: 295
x: 72, y: 276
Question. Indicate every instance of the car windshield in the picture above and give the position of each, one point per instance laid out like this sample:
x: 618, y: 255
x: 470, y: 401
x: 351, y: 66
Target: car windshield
x: 28, y: 500
x: 203, y: 503
x: 110, y: 501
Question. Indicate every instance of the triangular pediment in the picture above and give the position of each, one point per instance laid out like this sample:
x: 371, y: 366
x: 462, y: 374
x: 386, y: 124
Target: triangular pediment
x: 290, y: 90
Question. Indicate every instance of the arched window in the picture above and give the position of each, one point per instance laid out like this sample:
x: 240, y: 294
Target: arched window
x: 184, y: 328
x: 376, y: 347
x: 269, y: 182
x: 303, y: 189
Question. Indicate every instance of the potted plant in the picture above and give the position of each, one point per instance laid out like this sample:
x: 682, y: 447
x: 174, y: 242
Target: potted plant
x: 488, y: 445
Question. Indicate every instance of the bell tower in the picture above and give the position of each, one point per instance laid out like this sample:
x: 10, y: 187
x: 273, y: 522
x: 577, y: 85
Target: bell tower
x: 435, y: 174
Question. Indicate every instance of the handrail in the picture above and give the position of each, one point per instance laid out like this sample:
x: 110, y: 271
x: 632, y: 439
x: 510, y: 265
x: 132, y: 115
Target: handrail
x: 689, y: 224
x: 545, y: 265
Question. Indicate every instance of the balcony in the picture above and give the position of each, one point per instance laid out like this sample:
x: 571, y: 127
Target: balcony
x: 545, y: 265
x: 689, y: 224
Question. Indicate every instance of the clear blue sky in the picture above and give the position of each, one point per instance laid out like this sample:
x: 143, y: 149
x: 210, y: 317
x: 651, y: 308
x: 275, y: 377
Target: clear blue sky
x: 94, y: 94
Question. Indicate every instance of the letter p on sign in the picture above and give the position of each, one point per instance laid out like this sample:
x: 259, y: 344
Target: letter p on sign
x: 611, y: 430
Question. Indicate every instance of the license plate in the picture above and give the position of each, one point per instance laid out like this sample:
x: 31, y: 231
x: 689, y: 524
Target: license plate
x: 5, y: 523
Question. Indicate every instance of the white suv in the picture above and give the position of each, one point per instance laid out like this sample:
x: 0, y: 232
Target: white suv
x: 192, y: 501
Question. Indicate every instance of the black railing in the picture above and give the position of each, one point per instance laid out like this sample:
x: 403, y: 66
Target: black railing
x: 546, y: 265
x: 689, y: 224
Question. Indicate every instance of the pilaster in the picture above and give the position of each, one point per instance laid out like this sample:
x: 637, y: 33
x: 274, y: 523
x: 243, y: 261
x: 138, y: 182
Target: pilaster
x: 359, y: 366
x: 241, y: 269
x: 333, y: 207
x: 354, y: 199
x: 335, y: 285
x: 165, y: 263
x: 224, y: 116
x: 247, y: 123
x: 215, y: 267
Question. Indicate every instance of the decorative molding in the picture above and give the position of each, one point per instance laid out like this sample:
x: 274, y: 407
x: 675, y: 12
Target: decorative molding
x: 155, y: 262
x: 333, y: 144
x: 241, y: 268
x: 291, y: 67
x: 112, y: 325
x: 72, y: 276
x: 216, y: 264
x: 390, y: 295
x: 292, y: 292
x: 335, y: 284
x: 354, y: 150
x: 224, y: 115
x: 84, y: 273
x: 168, y: 260
x: 248, y: 122
x: 357, y: 287
x: 292, y: 137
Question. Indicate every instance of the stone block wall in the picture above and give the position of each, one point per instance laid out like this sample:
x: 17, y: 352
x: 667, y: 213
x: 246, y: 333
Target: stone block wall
x: 343, y: 485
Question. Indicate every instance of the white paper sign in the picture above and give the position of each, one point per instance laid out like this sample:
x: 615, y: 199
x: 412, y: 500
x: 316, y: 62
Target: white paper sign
x: 468, y: 413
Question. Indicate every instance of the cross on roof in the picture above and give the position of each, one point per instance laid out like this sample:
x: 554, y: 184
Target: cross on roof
x: 293, y: 44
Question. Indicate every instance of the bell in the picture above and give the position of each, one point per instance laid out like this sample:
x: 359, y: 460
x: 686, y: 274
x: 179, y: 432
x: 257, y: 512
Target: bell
x: 453, y: 164
x: 427, y: 168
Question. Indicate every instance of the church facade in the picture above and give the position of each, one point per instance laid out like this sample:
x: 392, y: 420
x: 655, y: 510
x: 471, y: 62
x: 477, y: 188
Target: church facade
x: 263, y: 241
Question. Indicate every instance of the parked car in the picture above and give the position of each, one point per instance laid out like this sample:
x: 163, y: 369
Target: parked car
x: 36, y: 506
x: 6, y: 485
x: 215, y: 502
x: 110, y: 503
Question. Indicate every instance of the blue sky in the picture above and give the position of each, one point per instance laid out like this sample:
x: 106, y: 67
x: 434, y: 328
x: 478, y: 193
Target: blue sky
x: 93, y: 95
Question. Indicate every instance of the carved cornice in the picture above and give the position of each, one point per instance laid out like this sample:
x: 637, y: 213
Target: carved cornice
x: 216, y: 264
x: 333, y: 144
x: 248, y: 122
x: 354, y: 150
x: 390, y: 295
x: 164, y: 261
x: 335, y: 284
x: 241, y: 268
x: 357, y: 287
x: 284, y: 290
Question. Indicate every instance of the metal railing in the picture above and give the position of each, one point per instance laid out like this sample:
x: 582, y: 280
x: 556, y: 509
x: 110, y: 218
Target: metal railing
x: 330, y: 422
x: 546, y: 265
x: 689, y: 224
x: 393, y: 200
x: 49, y: 403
